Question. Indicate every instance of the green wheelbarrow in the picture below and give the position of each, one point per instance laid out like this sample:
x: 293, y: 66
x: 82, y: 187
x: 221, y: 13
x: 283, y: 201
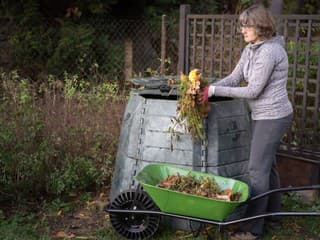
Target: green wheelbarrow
x: 135, y: 213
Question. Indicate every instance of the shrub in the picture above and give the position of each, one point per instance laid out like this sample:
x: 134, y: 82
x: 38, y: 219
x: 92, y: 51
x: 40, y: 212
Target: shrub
x: 73, y: 48
x: 56, y: 138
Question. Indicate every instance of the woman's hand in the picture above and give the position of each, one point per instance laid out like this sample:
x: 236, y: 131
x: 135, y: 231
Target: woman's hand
x: 204, y: 95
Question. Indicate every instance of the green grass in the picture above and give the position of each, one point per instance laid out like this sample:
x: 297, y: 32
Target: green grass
x: 20, y: 227
x: 37, y: 226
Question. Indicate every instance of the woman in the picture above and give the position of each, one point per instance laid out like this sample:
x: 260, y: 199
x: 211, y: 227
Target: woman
x: 264, y: 66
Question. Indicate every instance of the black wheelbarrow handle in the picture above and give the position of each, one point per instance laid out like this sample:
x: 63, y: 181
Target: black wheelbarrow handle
x: 282, y: 190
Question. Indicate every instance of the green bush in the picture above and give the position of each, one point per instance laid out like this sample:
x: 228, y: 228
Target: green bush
x: 38, y: 48
x: 74, y: 175
x: 108, y: 56
x: 73, y: 48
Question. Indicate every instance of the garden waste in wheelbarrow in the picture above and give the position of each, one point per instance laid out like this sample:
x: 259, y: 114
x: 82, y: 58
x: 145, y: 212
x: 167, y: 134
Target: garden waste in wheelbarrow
x: 186, y: 204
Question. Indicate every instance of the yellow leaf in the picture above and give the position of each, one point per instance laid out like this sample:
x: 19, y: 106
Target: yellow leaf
x: 194, y: 76
x: 183, y: 77
x: 91, y: 203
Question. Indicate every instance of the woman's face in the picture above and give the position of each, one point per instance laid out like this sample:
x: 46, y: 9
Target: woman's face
x: 249, y: 33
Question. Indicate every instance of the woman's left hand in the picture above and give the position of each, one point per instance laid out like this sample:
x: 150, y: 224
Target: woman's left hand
x: 204, y: 95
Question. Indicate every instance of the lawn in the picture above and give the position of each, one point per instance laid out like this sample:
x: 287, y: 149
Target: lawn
x: 82, y: 217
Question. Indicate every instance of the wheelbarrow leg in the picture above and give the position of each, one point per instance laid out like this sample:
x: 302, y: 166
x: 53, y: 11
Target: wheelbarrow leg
x: 196, y: 232
x: 223, y: 234
x: 218, y: 234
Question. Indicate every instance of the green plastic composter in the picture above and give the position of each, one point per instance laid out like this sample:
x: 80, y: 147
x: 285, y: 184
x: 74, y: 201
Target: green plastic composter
x: 186, y: 204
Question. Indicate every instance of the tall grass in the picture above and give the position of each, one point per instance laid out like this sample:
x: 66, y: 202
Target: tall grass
x: 57, y: 137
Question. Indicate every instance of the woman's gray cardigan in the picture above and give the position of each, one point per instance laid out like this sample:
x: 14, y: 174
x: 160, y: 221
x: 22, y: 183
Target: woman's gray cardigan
x: 264, y: 66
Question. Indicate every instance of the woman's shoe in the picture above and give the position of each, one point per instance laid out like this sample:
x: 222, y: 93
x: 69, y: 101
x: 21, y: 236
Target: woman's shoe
x: 244, y: 236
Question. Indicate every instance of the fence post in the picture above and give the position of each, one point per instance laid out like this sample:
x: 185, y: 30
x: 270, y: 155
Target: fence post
x: 163, y: 45
x: 276, y: 7
x: 128, y: 59
x: 184, y: 11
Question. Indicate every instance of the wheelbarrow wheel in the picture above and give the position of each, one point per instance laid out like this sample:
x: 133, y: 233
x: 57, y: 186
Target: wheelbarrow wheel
x: 133, y: 225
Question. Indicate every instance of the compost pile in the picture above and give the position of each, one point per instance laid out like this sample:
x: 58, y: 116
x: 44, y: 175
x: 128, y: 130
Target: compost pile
x: 203, y: 186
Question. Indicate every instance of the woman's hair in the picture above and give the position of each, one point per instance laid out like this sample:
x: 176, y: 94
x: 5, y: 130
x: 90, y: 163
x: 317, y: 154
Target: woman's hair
x: 260, y: 18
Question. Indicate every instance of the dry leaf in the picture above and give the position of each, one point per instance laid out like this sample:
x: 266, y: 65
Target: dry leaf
x: 90, y: 203
x: 170, y: 81
x: 62, y: 234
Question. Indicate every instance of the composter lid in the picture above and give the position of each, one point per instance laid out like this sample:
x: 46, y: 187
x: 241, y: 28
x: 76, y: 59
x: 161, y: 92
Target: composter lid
x: 153, y: 82
x: 157, y: 86
x: 162, y: 85
x: 157, y: 82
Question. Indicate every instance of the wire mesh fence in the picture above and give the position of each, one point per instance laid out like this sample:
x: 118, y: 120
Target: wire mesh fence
x: 103, y: 48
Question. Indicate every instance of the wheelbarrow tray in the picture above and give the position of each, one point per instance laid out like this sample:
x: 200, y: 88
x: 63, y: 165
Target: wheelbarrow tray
x: 175, y: 202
